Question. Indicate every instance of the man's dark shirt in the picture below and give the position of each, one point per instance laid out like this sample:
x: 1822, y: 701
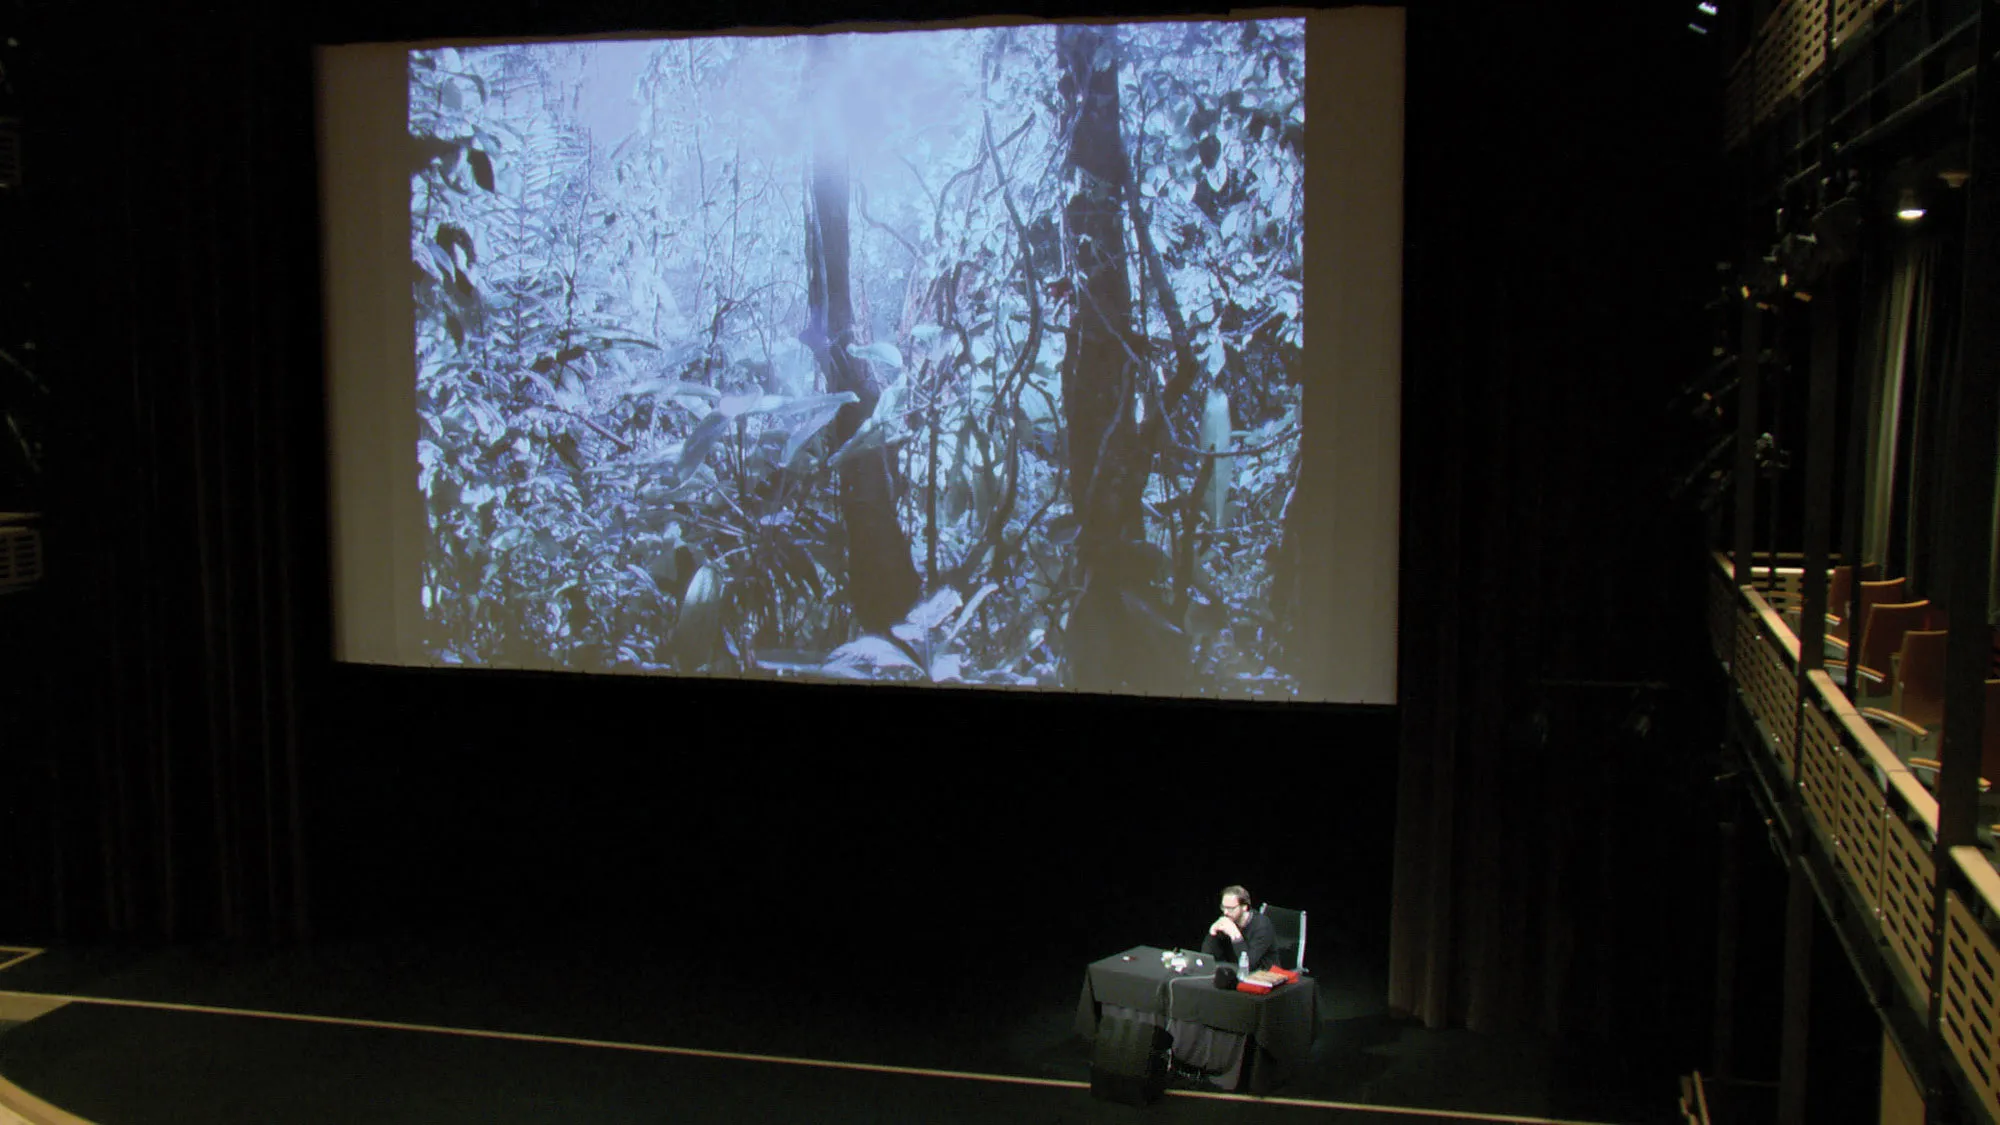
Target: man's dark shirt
x: 1260, y: 941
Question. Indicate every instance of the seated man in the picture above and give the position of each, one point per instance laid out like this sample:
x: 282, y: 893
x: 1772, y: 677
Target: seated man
x: 1241, y: 930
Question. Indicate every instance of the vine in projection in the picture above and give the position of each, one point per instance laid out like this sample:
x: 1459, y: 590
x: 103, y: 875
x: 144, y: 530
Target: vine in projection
x: 963, y: 356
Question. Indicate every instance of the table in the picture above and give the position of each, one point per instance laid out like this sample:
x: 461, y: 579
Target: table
x: 1269, y: 1034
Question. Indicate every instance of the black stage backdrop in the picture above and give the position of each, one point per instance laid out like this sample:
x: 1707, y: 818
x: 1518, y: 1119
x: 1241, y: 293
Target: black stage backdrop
x: 195, y: 767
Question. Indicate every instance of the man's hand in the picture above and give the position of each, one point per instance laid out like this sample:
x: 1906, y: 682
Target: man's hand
x: 1224, y: 926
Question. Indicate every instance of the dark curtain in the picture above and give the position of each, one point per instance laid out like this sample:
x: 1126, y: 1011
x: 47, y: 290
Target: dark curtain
x: 1916, y: 469
x: 173, y: 152
x: 1544, y: 835
x: 1921, y: 478
x: 1549, y: 230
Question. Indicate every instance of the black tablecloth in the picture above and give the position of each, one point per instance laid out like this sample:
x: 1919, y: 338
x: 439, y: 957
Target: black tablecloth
x: 1280, y: 1023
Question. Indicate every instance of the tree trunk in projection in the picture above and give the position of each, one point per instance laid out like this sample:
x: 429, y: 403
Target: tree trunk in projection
x: 881, y: 578
x: 1117, y: 637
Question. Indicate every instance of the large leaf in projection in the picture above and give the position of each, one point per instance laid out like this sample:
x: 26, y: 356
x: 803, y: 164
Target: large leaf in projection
x: 872, y: 658
x: 881, y: 352
x: 703, y: 439
x: 805, y: 418
x: 700, y: 623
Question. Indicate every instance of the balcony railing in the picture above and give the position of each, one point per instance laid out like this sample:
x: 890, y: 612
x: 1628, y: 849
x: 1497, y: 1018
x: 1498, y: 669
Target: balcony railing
x: 1971, y: 1025
x: 1876, y: 821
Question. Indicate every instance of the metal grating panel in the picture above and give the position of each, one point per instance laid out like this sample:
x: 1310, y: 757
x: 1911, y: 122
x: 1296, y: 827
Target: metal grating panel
x: 1847, y: 803
x: 1736, y: 107
x: 1768, y: 686
x: 20, y: 557
x: 1819, y: 776
x: 1804, y: 43
x: 1764, y: 69
x: 1790, y: 49
x: 1908, y: 882
x: 1850, y: 16
x: 1969, y: 1025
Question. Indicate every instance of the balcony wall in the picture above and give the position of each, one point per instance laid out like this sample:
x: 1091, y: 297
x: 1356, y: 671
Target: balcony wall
x: 1874, y: 821
x: 1842, y: 73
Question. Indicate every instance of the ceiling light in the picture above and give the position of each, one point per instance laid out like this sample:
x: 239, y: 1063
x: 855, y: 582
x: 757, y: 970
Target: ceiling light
x: 1909, y: 209
x: 1707, y: 9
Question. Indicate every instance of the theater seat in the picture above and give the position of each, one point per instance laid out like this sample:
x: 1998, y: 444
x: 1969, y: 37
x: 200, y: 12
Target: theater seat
x: 1881, y: 638
x: 1916, y: 700
x: 1926, y: 769
x: 1887, y: 590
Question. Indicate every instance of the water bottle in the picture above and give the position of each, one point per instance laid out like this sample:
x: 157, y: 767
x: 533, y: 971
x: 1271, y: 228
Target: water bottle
x: 1243, y: 963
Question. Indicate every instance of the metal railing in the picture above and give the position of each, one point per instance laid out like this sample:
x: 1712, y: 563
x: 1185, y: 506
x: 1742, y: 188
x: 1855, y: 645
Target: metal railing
x: 1766, y: 669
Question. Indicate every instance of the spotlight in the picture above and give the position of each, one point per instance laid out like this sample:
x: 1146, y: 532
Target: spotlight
x: 1707, y: 9
x: 1697, y: 29
x: 1909, y: 208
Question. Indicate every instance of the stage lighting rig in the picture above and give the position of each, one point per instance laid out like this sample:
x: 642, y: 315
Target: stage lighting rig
x: 1772, y: 459
x: 1714, y: 491
x: 1726, y: 294
x: 1702, y: 395
x: 1806, y: 257
x: 1837, y: 228
x: 1708, y: 408
x: 1795, y: 254
x: 1710, y: 472
x: 1765, y: 281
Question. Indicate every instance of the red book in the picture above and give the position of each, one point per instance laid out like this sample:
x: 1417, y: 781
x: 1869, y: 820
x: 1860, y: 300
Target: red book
x: 1264, y: 980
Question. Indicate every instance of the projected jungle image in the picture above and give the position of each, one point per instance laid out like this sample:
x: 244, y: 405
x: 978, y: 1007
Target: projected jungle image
x: 957, y: 357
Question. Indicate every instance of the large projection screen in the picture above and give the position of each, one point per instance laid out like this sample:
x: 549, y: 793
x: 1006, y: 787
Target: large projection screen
x: 1007, y: 355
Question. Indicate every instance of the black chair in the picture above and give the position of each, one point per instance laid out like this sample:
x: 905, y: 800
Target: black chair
x: 1291, y: 927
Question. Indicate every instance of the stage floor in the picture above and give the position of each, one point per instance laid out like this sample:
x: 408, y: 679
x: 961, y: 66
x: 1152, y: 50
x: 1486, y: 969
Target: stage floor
x: 576, y: 1031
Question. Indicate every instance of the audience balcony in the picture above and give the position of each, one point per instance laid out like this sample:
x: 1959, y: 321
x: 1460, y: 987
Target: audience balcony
x: 1855, y: 780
